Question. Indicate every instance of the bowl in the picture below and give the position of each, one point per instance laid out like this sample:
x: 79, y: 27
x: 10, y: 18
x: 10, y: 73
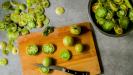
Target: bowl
x: 111, y: 33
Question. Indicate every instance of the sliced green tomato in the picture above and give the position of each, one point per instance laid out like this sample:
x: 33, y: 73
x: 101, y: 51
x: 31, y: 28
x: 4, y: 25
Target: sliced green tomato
x: 113, y: 6
x: 76, y: 30
x: 22, y: 6
x: 12, y: 27
x: 14, y: 3
x: 79, y: 48
x: 121, y: 13
x: 5, y: 52
x: 6, y: 5
x: 95, y: 6
x: 39, y: 9
x: 24, y: 31
x: 7, y: 18
x: 124, y: 22
x: 3, y: 61
x: 45, y: 4
x: 12, y: 35
x: 40, y: 17
x: 39, y: 24
x: 47, y: 61
x: 15, y: 17
x: 17, y: 11
x: 47, y: 30
x: 15, y: 51
x: 131, y: 15
x: 48, y: 48
x: 101, y: 12
x: 31, y: 25
x: 9, y: 47
x: 3, y: 25
x: 108, y: 25
x: 68, y: 41
x: 118, y: 1
x: 32, y: 50
x: 29, y: 4
x: 46, y: 21
x: 65, y: 54
x: 127, y: 2
x: 44, y: 70
x: 3, y: 45
x: 123, y: 7
x: 118, y: 30
x: 59, y: 10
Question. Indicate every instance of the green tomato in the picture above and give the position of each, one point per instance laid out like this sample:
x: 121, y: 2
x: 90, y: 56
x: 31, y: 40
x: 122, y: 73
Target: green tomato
x: 44, y: 70
x: 47, y: 61
x: 68, y: 41
x: 75, y: 29
x: 48, y: 48
x: 3, y: 45
x: 59, y: 10
x: 79, y: 47
x: 32, y: 50
x: 65, y: 54
x: 101, y: 12
x: 108, y: 25
x: 3, y: 61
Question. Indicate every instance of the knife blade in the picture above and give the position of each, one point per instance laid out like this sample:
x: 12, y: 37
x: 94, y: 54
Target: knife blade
x: 52, y: 67
x: 63, y: 69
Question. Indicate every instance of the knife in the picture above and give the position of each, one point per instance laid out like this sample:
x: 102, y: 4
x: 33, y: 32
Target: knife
x: 63, y: 69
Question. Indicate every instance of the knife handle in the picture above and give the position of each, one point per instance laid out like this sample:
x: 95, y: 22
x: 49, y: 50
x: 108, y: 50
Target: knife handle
x: 76, y: 72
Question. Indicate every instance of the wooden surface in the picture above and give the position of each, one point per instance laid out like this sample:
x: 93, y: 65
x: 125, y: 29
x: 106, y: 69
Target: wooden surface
x: 87, y: 61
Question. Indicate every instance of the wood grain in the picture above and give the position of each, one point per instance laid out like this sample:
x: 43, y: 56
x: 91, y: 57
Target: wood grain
x: 86, y: 61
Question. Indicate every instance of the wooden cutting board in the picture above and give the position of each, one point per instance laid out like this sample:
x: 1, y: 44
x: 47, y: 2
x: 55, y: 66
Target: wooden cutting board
x: 87, y: 61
